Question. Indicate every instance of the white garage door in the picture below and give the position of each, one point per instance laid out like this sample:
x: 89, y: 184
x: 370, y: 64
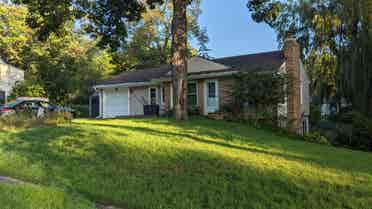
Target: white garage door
x: 116, y: 103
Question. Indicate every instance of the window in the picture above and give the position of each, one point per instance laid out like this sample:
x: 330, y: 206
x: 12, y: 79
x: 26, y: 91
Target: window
x: 212, y: 90
x: 192, y: 96
x: 153, y: 96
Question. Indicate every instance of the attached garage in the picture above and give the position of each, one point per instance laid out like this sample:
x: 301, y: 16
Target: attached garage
x: 115, y: 102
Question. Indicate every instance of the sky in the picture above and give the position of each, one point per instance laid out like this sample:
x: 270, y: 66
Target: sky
x: 232, y: 31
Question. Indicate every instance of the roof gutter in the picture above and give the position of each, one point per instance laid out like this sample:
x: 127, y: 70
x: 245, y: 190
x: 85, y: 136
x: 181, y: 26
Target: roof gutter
x: 201, y: 76
x: 212, y: 75
x: 122, y: 85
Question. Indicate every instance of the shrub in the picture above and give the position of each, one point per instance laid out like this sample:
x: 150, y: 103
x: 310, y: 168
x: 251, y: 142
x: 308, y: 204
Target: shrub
x: 315, y: 115
x: 169, y: 113
x: 316, y: 137
x: 81, y: 111
x: 28, y: 89
x: 29, y: 120
x: 350, y: 129
x: 193, y: 110
x: 255, y: 97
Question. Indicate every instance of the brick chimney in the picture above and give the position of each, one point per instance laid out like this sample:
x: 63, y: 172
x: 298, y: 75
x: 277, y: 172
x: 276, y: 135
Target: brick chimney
x: 292, y: 58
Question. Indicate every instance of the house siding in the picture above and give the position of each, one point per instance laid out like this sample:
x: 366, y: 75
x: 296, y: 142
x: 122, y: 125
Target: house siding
x: 305, y: 94
x: 201, y: 95
x: 138, y: 97
x: 9, y: 76
x: 225, y: 88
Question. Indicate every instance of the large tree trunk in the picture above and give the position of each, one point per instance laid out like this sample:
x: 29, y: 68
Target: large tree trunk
x: 179, y: 59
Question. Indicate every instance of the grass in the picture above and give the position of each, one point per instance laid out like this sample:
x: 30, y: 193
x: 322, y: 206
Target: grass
x: 161, y: 164
x: 37, y: 197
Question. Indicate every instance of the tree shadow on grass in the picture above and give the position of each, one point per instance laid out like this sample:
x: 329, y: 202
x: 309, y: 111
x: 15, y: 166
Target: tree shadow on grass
x: 300, y: 154
x: 54, y: 146
x: 192, y: 136
x: 87, y: 161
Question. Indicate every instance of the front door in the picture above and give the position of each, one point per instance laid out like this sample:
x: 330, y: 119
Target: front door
x: 211, y: 96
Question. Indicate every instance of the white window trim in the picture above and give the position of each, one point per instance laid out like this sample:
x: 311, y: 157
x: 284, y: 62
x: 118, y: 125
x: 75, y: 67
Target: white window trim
x: 196, y: 89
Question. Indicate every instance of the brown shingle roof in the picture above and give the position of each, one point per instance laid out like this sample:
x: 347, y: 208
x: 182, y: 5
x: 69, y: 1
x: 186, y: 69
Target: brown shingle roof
x: 252, y: 62
x: 143, y: 75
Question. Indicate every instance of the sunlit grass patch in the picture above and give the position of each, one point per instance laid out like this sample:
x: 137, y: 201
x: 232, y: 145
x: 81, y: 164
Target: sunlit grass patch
x: 27, y: 196
x: 160, y: 163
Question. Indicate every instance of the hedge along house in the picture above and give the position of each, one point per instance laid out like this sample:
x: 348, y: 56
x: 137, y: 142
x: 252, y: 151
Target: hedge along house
x: 209, y: 86
x: 9, y: 76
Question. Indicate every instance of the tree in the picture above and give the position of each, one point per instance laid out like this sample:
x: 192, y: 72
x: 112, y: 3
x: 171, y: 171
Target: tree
x: 62, y: 68
x: 108, y: 21
x: 150, y: 39
x: 336, y: 37
x: 179, y: 58
x: 104, y: 19
x: 15, y: 35
x: 67, y: 66
x: 28, y: 89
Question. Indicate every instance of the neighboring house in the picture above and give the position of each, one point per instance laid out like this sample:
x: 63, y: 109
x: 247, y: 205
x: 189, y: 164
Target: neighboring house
x: 9, y: 76
x: 209, y: 82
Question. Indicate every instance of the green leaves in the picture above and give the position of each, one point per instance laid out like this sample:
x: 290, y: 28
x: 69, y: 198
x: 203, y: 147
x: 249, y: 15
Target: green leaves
x: 336, y: 38
x: 14, y: 34
x: 106, y: 19
x: 150, y: 42
x: 259, y: 89
x: 63, y: 67
x: 28, y: 89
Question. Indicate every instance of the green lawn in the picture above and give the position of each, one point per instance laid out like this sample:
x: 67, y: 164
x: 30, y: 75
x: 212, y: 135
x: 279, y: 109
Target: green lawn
x: 37, y: 197
x: 200, y: 164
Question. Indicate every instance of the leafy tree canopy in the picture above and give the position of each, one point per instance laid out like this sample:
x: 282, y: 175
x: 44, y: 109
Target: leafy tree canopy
x: 106, y: 19
x: 79, y: 42
x: 336, y: 36
x: 15, y: 35
x: 149, y: 43
x: 63, y: 67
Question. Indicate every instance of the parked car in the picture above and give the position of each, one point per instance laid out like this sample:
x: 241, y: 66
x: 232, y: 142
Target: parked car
x: 31, y: 105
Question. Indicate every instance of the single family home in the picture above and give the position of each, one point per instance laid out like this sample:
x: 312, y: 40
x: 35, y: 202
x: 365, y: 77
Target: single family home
x: 9, y: 76
x: 208, y: 83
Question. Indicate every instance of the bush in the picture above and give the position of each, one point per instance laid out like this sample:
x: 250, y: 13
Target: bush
x: 316, y: 137
x: 193, y: 110
x: 81, y: 111
x: 29, y: 120
x: 315, y: 115
x: 349, y: 129
x: 28, y: 89
x: 169, y: 113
